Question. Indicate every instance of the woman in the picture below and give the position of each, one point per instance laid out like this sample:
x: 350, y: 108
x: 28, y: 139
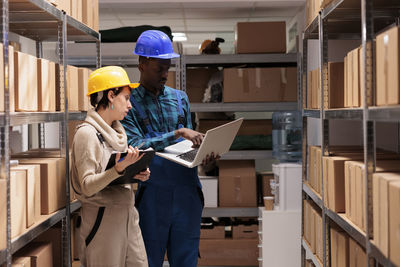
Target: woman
x: 110, y: 234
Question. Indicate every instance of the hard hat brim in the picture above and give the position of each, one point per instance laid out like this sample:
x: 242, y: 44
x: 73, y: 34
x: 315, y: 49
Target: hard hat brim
x: 134, y: 85
x: 131, y: 85
x: 162, y: 56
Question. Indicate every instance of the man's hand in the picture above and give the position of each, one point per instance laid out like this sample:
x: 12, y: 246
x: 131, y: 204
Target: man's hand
x: 210, y: 159
x: 191, y: 135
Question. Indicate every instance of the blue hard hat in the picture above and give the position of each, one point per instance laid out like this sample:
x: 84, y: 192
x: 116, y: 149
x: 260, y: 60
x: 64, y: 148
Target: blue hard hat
x: 155, y: 44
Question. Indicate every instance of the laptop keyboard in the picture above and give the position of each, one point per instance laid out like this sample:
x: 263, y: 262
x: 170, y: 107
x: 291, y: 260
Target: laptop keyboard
x: 189, y: 156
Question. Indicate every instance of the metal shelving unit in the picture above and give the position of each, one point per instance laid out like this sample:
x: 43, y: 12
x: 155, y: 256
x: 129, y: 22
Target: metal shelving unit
x: 230, y: 212
x: 243, y: 107
x: 336, y: 21
x: 41, y: 22
x: 313, y: 195
x: 238, y: 59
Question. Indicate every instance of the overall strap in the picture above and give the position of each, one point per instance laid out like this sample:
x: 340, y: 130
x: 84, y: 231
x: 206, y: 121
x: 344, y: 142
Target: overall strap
x: 142, y: 115
x: 181, y: 116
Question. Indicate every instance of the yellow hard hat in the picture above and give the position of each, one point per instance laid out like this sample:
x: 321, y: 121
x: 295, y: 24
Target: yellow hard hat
x: 107, y: 78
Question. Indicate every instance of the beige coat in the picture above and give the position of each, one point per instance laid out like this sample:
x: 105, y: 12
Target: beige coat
x: 118, y: 240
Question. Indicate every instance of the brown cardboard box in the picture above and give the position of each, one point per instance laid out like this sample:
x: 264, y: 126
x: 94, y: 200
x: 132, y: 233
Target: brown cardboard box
x: 349, y: 77
x: 319, y: 243
x: 248, y: 127
x: 307, y: 221
x: 76, y: 9
x: 17, y: 202
x: 357, y: 256
x: 335, y: 85
x: 346, y: 80
x: 356, y: 78
x: 228, y: 252
x: 83, y: 99
x: 46, y: 71
x: 40, y: 254
x: 313, y: 241
x: 197, y: 82
x: 1, y: 78
x: 76, y: 264
x: 361, y: 75
x: 309, y: 263
x: 255, y: 37
x: 53, y: 237
x: 3, y: 213
x: 73, y: 88
x: 64, y: 5
x: 237, y: 183
x: 25, y: 82
x: 87, y: 13
x: 339, y: 248
x: 32, y: 174
x: 244, y: 231
x: 316, y: 89
x: 380, y: 197
x: 318, y: 164
x: 52, y: 182
x: 95, y: 9
x: 21, y: 262
x: 394, y: 222
x: 217, y: 232
x: 388, y: 67
x: 11, y: 77
x: 314, y: 170
x: 309, y: 89
x: 260, y: 85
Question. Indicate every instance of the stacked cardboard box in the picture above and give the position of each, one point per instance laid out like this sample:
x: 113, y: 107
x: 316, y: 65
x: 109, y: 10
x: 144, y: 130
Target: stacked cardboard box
x: 46, y: 71
x: 339, y: 248
x: 381, y: 215
x: 335, y: 85
x: 17, y: 202
x: 260, y: 85
x: 216, y: 232
x: 312, y: 9
x: 388, y: 67
x: 25, y: 82
x: 394, y: 223
x: 313, y: 228
x: 353, y: 84
x: 255, y: 37
x: 355, y: 187
x: 357, y: 255
x: 73, y: 88
x: 237, y: 183
x: 242, y: 231
x: 3, y: 213
x: 40, y: 254
x: 83, y: 99
x: 314, y: 168
x: 21, y: 262
x: 314, y: 89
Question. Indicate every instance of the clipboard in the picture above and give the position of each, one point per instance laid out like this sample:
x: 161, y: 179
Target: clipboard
x: 132, y: 169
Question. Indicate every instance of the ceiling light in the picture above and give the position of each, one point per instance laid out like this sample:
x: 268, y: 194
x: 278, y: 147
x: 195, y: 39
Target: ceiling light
x: 179, y: 37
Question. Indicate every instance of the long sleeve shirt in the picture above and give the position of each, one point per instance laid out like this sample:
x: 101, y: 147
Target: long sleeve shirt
x: 162, y: 112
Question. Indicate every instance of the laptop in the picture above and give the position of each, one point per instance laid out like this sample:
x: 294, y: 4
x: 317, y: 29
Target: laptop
x: 217, y: 140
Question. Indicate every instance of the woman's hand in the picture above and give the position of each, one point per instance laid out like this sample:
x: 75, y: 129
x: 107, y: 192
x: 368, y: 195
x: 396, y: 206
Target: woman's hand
x: 143, y: 176
x: 131, y: 157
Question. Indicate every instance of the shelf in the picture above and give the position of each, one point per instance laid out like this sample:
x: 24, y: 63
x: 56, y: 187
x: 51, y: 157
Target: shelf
x: 312, y: 113
x: 311, y: 32
x: 128, y: 61
x: 355, y: 232
x: 309, y: 253
x: 243, y: 107
x: 34, y: 231
x: 385, y: 113
x: 346, y: 114
x: 247, y: 155
x: 313, y: 195
x: 19, y: 118
x: 230, y: 212
x: 38, y: 20
x: 233, y: 59
x: 380, y: 258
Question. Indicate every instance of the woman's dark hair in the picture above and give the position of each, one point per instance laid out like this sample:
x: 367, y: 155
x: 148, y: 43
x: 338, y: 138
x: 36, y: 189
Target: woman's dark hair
x: 104, y: 100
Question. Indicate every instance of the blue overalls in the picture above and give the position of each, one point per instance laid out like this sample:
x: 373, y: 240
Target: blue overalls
x: 170, y: 204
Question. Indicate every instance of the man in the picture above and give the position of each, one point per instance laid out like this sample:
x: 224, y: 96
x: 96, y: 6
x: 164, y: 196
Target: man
x: 171, y: 202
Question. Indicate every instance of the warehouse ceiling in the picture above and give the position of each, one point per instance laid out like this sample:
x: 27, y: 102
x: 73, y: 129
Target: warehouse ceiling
x: 197, y: 20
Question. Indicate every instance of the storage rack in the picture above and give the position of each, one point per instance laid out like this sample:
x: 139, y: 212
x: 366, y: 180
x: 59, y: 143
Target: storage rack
x: 230, y: 60
x: 41, y: 22
x: 334, y: 22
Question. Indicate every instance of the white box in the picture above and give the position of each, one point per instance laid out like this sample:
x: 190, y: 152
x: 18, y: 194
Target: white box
x: 286, y: 186
x: 210, y: 190
x: 281, y: 236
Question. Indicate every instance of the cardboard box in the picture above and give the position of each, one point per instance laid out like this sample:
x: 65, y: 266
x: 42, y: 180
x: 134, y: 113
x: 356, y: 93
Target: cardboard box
x: 32, y: 174
x: 307, y: 221
x: 357, y: 256
x: 3, y: 214
x: 356, y: 78
x: 313, y: 241
x: 76, y: 9
x: 217, y: 232
x: 210, y: 191
x: 87, y: 13
x: 40, y: 254
x: 248, y: 127
x: 339, y: 248
x: 228, y: 252
x: 11, y: 77
x: 17, y: 202
x: 53, y: 237
x: 46, y: 71
x: 316, y: 89
x: 73, y: 88
x: 309, y: 263
x: 346, y: 83
x: 52, y: 183
x: 260, y: 85
x: 335, y: 85
x: 83, y: 99
x: 237, y: 183
x: 2, y: 78
x: 95, y: 10
x: 394, y: 222
x: 21, y: 262
x: 309, y: 89
x: 361, y: 76
x: 388, y: 67
x: 314, y: 166
x: 25, y: 82
x: 76, y: 264
x: 64, y: 5
x: 242, y: 231
x: 319, y: 242
x: 349, y: 78
x: 380, y: 197
x: 255, y: 37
